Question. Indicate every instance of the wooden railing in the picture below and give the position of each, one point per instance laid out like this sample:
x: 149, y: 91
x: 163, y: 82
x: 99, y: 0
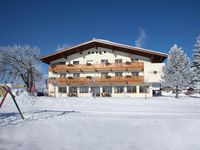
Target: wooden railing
x: 97, y: 67
x: 98, y: 80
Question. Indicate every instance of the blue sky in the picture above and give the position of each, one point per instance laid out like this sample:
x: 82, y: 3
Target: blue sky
x: 59, y: 23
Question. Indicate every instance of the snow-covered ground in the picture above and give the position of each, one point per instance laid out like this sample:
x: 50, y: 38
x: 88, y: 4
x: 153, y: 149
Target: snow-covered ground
x: 159, y: 123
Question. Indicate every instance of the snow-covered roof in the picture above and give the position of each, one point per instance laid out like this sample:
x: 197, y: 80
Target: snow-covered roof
x: 156, y: 56
x: 110, y: 42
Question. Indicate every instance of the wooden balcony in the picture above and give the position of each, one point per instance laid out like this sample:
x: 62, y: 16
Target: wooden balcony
x: 97, y: 67
x: 98, y: 80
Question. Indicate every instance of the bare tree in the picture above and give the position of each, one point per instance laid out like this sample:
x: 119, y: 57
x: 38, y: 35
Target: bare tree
x: 20, y: 62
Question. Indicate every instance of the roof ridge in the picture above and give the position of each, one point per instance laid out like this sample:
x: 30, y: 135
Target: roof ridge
x: 126, y: 45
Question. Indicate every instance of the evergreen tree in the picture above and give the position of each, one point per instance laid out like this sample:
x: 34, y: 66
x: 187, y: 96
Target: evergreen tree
x: 177, y: 72
x: 196, y: 64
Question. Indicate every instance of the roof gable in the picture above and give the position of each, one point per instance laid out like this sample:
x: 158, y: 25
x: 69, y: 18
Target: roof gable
x: 153, y: 55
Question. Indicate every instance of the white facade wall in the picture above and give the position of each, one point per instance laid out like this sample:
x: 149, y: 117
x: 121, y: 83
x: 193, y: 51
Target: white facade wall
x: 95, y: 57
x: 153, y: 72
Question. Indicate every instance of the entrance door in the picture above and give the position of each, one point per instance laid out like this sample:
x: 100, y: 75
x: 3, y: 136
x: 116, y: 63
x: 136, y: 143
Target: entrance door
x: 95, y: 91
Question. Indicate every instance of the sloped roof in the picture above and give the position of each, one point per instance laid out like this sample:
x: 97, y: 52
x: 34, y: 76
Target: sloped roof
x: 155, y: 56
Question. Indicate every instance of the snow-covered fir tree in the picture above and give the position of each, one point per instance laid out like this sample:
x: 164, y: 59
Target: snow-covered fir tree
x: 196, y: 64
x: 177, y: 72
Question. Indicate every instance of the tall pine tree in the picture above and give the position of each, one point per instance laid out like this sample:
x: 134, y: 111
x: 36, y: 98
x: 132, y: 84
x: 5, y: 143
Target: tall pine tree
x: 196, y: 64
x: 177, y: 72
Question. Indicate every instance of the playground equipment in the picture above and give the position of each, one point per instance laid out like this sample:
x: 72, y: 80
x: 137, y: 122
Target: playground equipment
x: 4, y: 91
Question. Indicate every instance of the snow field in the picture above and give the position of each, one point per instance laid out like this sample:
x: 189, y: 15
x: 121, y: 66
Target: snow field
x: 102, y: 123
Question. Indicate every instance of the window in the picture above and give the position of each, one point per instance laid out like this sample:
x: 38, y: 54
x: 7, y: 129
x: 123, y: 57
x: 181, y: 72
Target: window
x: 118, y: 74
x: 135, y: 73
x: 104, y: 74
x: 75, y: 62
x: 107, y: 89
x: 131, y: 89
x: 62, y: 90
x: 59, y: 63
x: 62, y: 75
x: 83, y: 89
x: 72, y: 89
x: 119, y: 89
x: 104, y: 61
x: 88, y: 52
x: 96, y: 52
x: 134, y: 60
x: 76, y: 74
x: 92, y: 52
x: 144, y: 89
x: 104, y: 51
x: 118, y: 61
x: 89, y: 62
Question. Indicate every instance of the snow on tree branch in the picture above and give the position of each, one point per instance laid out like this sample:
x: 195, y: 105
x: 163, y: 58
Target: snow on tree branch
x: 196, y: 64
x: 177, y: 73
x: 20, y: 62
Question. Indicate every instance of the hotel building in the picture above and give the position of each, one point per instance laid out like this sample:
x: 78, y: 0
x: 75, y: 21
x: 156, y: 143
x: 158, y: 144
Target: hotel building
x: 104, y: 68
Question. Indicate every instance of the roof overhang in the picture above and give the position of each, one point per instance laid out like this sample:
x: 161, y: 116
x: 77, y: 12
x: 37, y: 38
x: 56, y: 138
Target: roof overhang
x: 155, y: 56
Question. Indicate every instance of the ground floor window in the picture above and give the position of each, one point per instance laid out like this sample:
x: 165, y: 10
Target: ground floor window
x: 119, y: 89
x: 107, y: 89
x: 83, y: 89
x: 72, y: 89
x: 144, y: 89
x: 62, y: 90
x: 131, y: 89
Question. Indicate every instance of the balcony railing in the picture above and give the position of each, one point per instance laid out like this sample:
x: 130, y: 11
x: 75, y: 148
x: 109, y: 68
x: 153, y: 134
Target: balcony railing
x: 97, y: 67
x: 98, y: 80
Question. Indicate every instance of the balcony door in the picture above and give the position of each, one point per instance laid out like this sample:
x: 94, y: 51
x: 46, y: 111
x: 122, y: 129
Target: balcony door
x: 95, y: 91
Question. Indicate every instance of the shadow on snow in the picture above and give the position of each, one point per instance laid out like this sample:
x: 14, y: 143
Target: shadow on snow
x: 14, y: 118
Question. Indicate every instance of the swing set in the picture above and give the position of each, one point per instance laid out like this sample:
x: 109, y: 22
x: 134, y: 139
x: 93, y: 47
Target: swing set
x: 4, y: 91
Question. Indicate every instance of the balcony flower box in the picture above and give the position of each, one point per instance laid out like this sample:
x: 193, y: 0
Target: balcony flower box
x: 108, y: 77
x: 88, y: 77
x: 88, y: 64
x: 128, y: 63
x: 108, y: 63
x: 106, y: 94
x: 72, y: 94
x: 128, y: 76
x: 70, y: 65
x: 70, y: 78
